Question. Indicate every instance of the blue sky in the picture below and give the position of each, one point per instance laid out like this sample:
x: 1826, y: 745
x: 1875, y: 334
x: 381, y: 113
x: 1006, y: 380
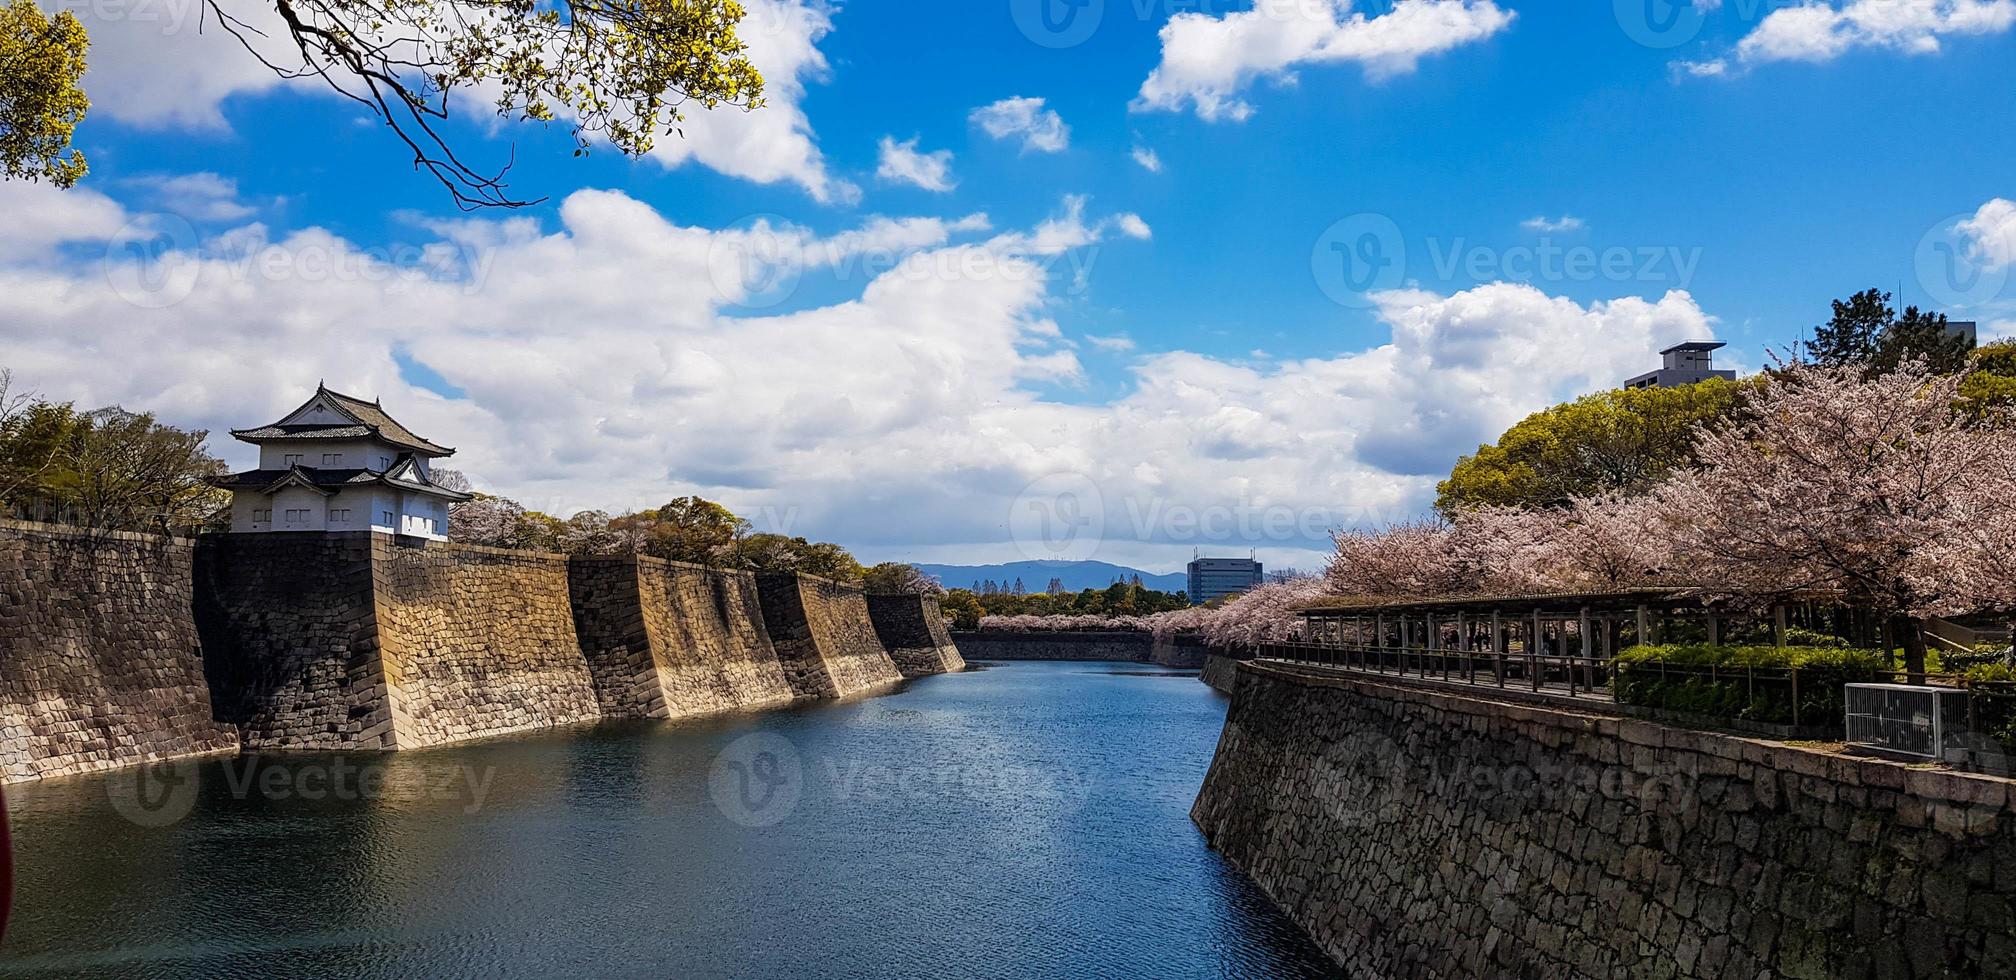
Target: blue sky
x: 1776, y: 159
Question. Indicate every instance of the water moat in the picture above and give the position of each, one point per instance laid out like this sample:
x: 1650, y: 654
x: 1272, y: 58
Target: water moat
x: 1028, y: 819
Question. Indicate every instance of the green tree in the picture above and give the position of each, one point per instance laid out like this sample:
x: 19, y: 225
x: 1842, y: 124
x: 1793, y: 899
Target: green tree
x: 1866, y: 331
x: 1991, y: 378
x: 899, y: 578
x: 782, y: 553
x: 963, y: 605
x: 619, y: 71
x: 688, y: 529
x: 41, y: 62
x: 1611, y: 441
x: 108, y: 468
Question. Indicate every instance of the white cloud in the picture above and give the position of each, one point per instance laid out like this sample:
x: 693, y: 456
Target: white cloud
x: 40, y: 217
x: 902, y: 163
x: 1991, y: 234
x: 201, y: 196
x: 1118, y: 342
x: 1566, y: 222
x: 602, y: 371
x: 1208, y: 62
x: 1132, y: 226
x: 1148, y: 159
x: 171, y: 65
x: 774, y: 143
x: 1040, y: 129
x: 1822, y: 31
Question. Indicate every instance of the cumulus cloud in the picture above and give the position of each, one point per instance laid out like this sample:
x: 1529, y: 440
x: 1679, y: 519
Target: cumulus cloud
x: 917, y: 389
x: 198, y: 197
x: 1040, y: 130
x: 1823, y: 31
x: 1208, y: 62
x: 171, y: 65
x: 1148, y: 159
x: 1991, y: 234
x: 1542, y: 223
x: 902, y: 163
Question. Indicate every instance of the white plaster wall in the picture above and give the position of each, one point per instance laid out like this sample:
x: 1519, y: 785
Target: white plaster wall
x: 357, y: 453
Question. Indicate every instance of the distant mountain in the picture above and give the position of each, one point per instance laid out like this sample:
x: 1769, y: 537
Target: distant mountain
x: 1036, y: 575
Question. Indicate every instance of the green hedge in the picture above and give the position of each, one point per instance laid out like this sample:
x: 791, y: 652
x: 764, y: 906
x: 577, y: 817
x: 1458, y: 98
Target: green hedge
x: 1686, y: 684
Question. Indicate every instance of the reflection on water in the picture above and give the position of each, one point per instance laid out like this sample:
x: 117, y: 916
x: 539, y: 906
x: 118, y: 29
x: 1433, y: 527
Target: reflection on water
x: 1027, y: 820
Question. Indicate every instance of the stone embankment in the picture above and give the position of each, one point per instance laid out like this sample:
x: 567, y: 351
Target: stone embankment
x: 1418, y: 833
x: 1135, y: 647
x: 99, y: 665
x: 1220, y: 671
x: 824, y: 636
x: 117, y: 649
x: 669, y: 640
x: 912, y: 629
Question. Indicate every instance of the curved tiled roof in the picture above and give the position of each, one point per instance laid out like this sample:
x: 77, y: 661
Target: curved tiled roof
x: 368, y: 421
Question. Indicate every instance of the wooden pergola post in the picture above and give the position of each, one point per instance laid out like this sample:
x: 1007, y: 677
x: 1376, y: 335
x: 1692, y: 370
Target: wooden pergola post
x: 1585, y: 628
x: 1533, y: 649
x: 1778, y: 626
x: 1498, y: 645
x: 1644, y: 625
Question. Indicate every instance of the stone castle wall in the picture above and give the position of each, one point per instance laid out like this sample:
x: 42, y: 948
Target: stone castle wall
x: 1421, y: 833
x: 477, y: 641
x: 289, y: 631
x: 824, y: 636
x: 99, y: 662
x: 1183, y: 650
x: 1220, y: 671
x: 1135, y: 647
x: 669, y: 640
x: 912, y: 629
x: 120, y: 648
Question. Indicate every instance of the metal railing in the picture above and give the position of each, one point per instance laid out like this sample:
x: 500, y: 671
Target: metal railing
x: 1804, y: 698
x: 1535, y: 669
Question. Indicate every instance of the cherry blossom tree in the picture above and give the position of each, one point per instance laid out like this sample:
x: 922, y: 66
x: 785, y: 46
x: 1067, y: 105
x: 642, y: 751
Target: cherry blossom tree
x: 1264, y: 615
x: 1878, y: 488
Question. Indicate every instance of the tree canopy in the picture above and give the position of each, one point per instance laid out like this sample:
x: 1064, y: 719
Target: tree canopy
x: 1867, y: 332
x: 105, y: 468
x: 41, y: 62
x: 1612, y: 441
x: 621, y: 71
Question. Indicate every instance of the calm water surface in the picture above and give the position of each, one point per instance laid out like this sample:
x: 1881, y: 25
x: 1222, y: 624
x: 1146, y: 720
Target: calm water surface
x: 1028, y: 820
